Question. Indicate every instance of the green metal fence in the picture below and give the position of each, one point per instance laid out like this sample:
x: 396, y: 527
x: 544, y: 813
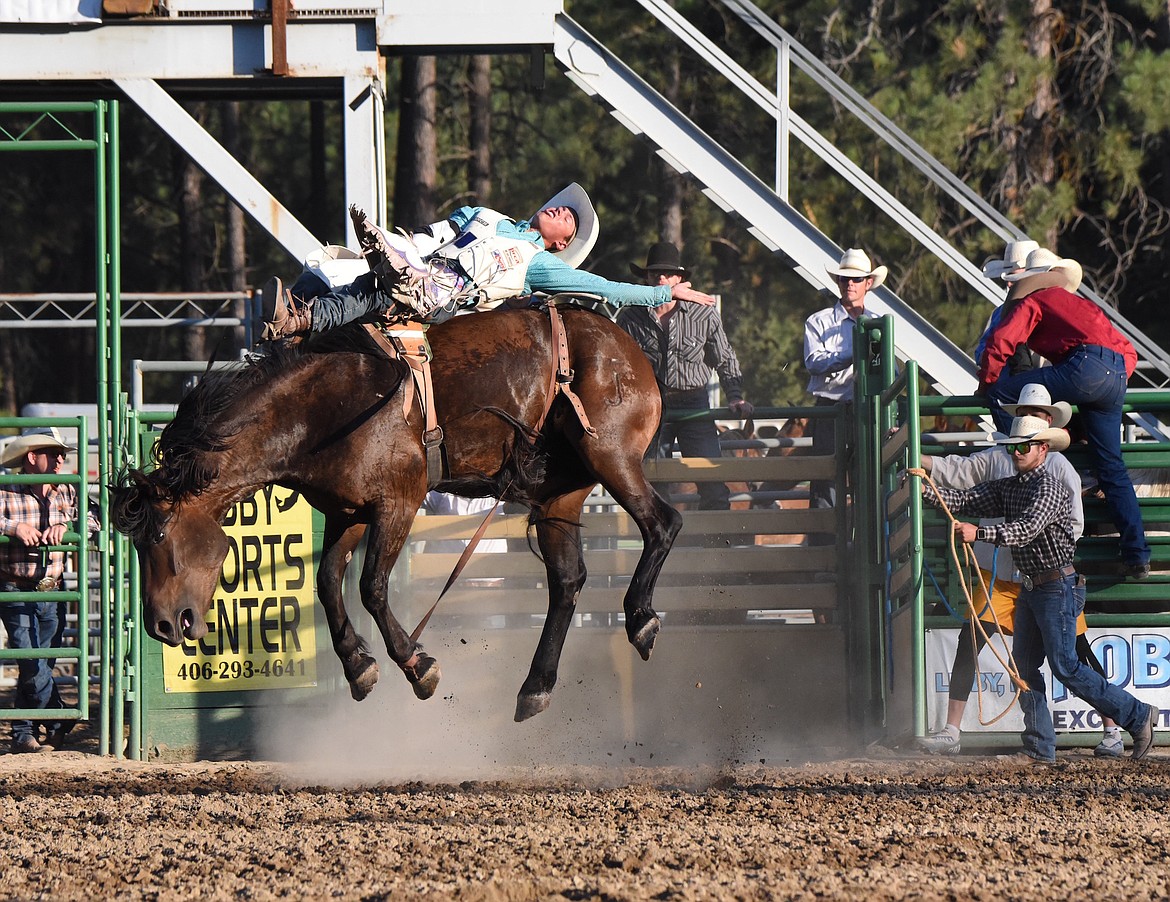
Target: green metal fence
x: 91, y: 127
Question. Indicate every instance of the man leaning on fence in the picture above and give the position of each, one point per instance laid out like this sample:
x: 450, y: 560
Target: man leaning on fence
x: 35, y: 517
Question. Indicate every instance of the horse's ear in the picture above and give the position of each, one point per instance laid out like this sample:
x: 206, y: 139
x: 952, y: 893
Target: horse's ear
x: 749, y: 427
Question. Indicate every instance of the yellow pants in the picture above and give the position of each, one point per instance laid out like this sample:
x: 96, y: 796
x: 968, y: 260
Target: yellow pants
x: 1003, y: 603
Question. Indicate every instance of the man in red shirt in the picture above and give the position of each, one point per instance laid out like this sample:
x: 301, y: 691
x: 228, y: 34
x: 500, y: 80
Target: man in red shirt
x: 1091, y: 363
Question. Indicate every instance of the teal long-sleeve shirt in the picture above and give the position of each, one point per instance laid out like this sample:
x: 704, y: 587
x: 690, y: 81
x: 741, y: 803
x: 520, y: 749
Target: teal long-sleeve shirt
x: 548, y: 273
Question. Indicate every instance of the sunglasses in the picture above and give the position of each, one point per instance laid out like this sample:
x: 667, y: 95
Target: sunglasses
x: 1020, y: 447
x: 854, y: 279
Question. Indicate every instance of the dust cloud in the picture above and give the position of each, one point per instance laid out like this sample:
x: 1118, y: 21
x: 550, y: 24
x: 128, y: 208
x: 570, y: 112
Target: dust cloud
x: 704, y: 699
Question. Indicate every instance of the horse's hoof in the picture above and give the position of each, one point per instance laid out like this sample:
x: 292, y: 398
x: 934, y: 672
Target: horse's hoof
x: 424, y: 676
x: 365, y: 679
x: 529, y: 705
x: 643, y: 639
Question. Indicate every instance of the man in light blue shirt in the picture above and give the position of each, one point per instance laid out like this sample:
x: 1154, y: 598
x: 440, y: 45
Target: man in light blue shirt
x: 828, y: 355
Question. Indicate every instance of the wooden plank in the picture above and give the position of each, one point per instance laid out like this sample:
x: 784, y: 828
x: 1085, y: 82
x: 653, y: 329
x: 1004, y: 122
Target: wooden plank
x: 898, y: 500
x: 737, y: 469
x: 766, y: 521
x: 691, y: 562
x: 900, y: 540
x: 507, y: 600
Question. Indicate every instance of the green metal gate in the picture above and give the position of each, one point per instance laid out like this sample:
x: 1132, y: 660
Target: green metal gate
x: 55, y: 128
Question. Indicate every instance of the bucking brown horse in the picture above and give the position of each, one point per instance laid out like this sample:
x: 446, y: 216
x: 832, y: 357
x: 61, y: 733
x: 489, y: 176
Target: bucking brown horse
x: 333, y: 424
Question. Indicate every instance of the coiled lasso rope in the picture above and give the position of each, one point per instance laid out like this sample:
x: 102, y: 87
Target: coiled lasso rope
x: 964, y: 567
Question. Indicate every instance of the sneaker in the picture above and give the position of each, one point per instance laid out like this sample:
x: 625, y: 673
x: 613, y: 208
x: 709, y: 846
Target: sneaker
x: 24, y: 745
x: 1111, y: 746
x: 1143, y: 737
x: 941, y: 743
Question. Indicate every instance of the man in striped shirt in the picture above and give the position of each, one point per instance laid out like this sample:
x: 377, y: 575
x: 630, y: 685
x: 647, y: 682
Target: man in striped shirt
x: 684, y: 343
x: 1038, y: 526
x: 35, y: 517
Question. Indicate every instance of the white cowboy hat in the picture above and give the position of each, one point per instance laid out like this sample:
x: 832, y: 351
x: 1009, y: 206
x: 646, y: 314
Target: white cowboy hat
x: 1033, y: 429
x: 1043, y: 260
x: 34, y: 439
x: 1035, y: 395
x: 588, y: 227
x: 855, y: 262
x: 1014, y: 256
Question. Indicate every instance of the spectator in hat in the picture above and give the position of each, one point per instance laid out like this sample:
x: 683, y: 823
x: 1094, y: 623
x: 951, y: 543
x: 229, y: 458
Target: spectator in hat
x: 828, y: 356
x: 684, y: 343
x: 34, y: 517
x: 1091, y: 363
x: 1014, y: 259
x: 475, y: 259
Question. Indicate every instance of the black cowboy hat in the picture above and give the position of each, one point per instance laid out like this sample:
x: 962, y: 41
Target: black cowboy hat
x: 662, y: 257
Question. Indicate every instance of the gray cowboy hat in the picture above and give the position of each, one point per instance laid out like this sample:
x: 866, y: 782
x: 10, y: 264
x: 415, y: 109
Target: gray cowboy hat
x: 662, y: 257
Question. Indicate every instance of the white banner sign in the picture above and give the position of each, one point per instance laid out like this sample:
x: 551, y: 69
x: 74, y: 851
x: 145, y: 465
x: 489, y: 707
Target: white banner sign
x: 1135, y: 659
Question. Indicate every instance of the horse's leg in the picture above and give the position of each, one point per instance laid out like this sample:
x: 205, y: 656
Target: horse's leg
x: 338, y: 543
x: 558, y: 533
x: 621, y: 473
x: 387, y: 536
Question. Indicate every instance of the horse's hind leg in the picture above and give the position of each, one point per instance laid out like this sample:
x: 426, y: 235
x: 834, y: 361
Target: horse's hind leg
x: 558, y: 532
x: 621, y: 473
x: 387, y: 536
x: 340, y: 539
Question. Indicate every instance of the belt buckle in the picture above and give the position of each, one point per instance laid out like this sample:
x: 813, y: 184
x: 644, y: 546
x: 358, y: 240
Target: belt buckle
x: 47, y: 584
x: 1028, y: 584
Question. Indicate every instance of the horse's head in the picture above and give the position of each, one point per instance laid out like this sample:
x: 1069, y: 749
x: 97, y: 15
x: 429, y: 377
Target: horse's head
x: 181, y: 549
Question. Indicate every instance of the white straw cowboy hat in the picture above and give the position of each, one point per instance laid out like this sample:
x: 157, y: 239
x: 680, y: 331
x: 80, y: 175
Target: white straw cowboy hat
x: 1036, y: 395
x: 35, y: 439
x: 662, y: 257
x: 588, y: 227
x: 856, y: 263
x: 1043, y: 260
x: 1015, y: 256
x: 1033, y: 429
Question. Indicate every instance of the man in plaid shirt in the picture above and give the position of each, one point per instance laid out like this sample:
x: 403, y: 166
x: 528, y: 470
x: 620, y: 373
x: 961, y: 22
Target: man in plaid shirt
x: 34, y: 517
x: 1038, y: 526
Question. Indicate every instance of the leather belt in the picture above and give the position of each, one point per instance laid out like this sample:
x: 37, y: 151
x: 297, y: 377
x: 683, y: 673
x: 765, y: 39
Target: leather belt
x: 1048, y: 576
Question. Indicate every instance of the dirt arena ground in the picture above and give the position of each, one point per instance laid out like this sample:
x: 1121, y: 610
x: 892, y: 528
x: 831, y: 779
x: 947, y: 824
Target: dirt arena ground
x: 77, y: 826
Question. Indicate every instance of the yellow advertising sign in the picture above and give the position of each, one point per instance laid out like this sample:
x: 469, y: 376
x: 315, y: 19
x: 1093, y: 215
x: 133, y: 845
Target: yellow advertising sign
x: 261, y: 632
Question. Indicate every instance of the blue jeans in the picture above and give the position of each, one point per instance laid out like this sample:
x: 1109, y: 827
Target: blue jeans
x: 336, y: 307
x: 696, y: 438
x: 32, y: 624
x: 1093, y: 378
x: 1046, y: 626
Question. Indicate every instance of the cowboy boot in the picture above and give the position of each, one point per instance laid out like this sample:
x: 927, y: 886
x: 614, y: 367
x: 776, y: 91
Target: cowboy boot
x: 280, y: 313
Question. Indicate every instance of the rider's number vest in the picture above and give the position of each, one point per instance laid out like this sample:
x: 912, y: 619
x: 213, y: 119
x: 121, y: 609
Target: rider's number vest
x: 495, y: 265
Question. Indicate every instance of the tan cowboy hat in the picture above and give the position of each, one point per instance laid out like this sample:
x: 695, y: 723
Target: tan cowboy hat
x: 588, y: 227
x: 855, y: 262
x: 1015, y: 255
x: 1036, y: 395
x: 1033, y: 429
x: 35, y: 439
x: 1043, y: 260
x: 662, y: 257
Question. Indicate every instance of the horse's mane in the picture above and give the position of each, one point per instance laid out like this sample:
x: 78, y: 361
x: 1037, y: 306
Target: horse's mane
x: 183, y: 466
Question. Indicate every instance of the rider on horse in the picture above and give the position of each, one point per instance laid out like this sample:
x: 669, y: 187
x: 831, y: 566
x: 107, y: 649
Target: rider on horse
x: 475, y: 259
